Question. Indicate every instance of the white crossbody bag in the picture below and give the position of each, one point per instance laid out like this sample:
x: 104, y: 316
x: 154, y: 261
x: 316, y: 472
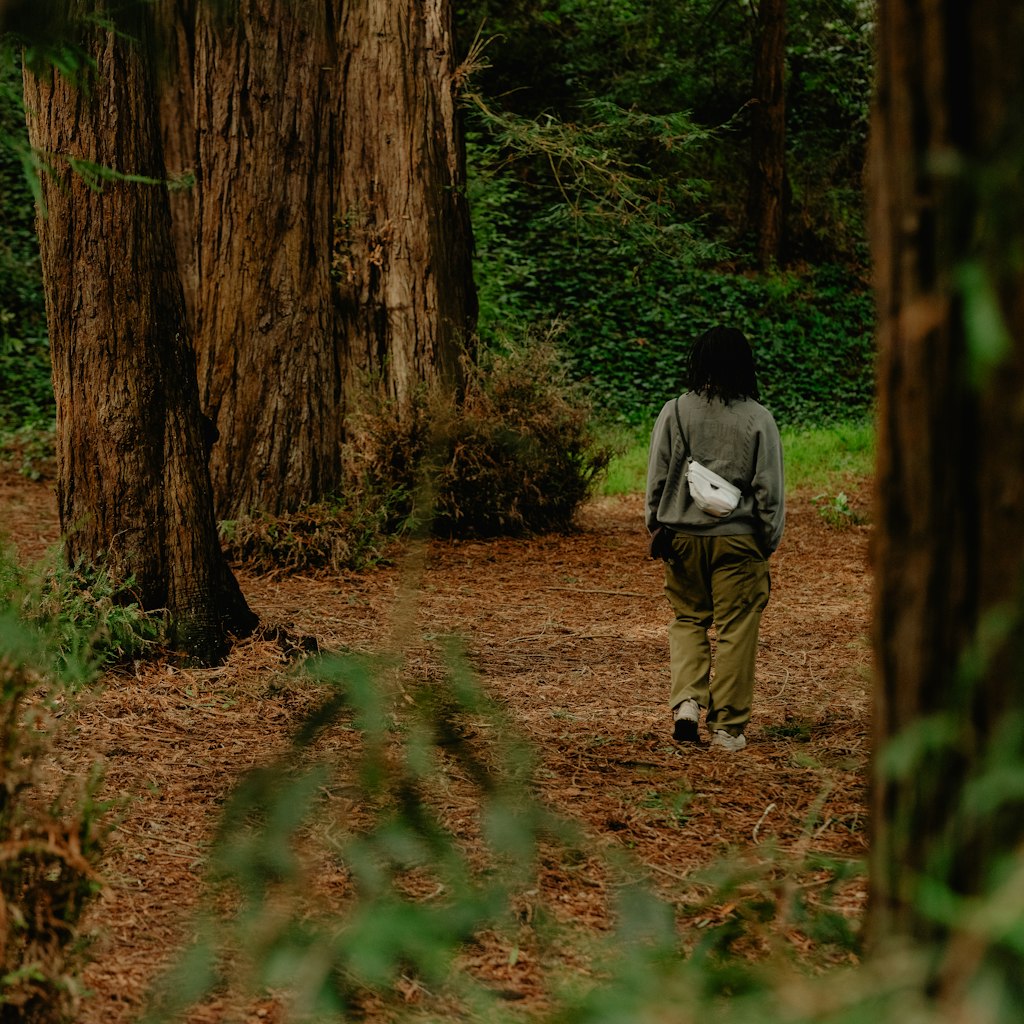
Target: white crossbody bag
x: 711, y: 493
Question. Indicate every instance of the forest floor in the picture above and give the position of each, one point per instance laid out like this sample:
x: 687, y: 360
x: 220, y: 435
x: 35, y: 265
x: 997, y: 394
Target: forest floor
x: 567, y: 634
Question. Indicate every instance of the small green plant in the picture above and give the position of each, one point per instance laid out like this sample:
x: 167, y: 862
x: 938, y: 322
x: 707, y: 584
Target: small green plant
x: 87, y: 619
x: 836, y: 510
x: 672, y: 805
x: 790, y: 730
x: 90, y: 620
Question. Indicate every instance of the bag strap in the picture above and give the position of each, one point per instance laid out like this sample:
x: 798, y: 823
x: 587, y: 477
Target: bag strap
x: 676, y: 468
x: 679, y: 424
x: 686, y: 444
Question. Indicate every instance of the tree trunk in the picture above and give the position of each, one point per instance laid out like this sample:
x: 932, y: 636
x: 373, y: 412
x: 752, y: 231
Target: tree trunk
x: 947, y: 230
x: 403, y: 247
x: 324, y: 143
x: 133, y: 491
x: 768, y: 141
x: 261, y: 227
x: 175, y: 30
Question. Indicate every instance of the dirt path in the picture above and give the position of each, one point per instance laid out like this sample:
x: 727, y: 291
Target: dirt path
x: 568, y: 634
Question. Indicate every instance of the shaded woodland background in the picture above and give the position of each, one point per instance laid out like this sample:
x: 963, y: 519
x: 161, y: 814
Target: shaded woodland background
x: 610, y: 159
x: 629, y: 175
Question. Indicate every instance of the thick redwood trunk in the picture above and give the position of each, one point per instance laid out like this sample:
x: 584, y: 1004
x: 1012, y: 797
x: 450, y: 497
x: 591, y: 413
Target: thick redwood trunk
x: 133, y: 489
x: 264, y: 316
x: 948, y: 155
x: 768, y: 133
x: 327, y: 239
x: 403, y: 245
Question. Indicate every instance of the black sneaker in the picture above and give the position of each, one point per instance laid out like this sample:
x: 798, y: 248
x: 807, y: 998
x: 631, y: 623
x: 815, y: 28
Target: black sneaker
x: 685, y: 731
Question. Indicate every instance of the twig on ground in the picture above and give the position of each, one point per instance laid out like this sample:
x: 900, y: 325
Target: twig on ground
x: 760, y: 821
x: 598, y: 590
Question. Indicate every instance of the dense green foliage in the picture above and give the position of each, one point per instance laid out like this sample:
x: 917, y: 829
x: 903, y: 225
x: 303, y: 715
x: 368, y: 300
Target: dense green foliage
x: 610, y: 157
x: 626, y: 332
x: 26, y: 393
x: 556, y: 59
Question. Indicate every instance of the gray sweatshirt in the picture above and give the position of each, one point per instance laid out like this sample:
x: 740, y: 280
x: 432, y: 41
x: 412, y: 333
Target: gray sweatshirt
x: 739, y: 442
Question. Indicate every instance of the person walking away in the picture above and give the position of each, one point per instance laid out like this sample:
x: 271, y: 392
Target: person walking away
x: 716, y: 559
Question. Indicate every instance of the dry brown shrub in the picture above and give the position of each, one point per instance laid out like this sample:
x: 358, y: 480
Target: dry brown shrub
x: 349, y: 533
x: 513, y: 452
x: 49, y: 845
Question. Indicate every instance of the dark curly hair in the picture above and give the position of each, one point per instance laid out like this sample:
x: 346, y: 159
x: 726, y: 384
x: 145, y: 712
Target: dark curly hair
x: 721, y: 365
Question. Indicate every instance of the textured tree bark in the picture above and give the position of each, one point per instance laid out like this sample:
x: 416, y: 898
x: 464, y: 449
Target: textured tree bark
x: 768, y: 135
x: 133, y: 491
x: 328, y: 237
x: 261, y: 226
x: 403, y: 248
x: 947, y: 161
x: 175, y: 58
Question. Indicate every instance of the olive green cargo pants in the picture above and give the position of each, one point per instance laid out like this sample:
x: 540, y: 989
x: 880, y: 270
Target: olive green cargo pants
x: 722, y: 581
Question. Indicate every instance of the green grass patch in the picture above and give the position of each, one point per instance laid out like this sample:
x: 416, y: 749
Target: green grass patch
x: 627, y: 471
x: 825, y: 457
x: 817, y: 457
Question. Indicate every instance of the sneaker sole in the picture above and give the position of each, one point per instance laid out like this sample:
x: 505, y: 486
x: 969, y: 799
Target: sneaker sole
x: 685, y: 731
x: 739, y: 743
